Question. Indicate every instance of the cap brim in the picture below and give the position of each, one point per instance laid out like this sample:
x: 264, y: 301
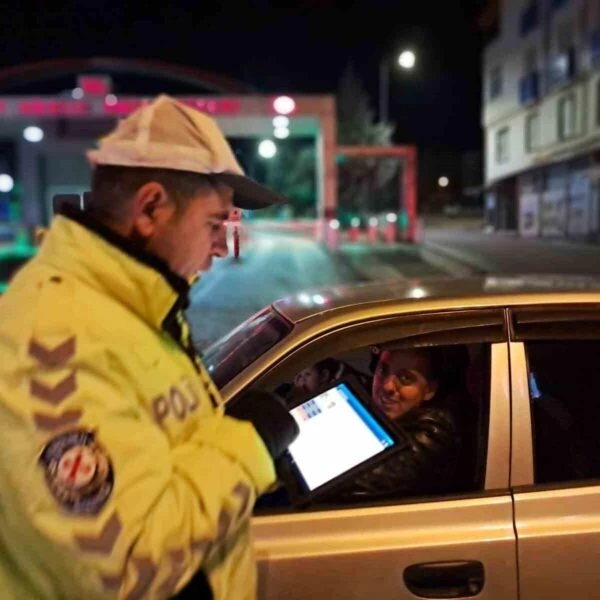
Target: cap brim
x: 248, y: 194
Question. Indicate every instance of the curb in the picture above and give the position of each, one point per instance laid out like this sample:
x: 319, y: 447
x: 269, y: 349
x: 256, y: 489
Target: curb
x: 451, y: 262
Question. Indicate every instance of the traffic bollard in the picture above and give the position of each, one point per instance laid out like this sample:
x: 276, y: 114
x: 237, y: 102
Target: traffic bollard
x: 372, y: 233
x: 236, y: 243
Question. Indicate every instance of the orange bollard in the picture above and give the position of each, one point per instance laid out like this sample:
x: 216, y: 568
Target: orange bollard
x: 372, y: 233
x: 390, y: 233
x: 333, y: 234
x: 354, y: 232
x: 236, y: 242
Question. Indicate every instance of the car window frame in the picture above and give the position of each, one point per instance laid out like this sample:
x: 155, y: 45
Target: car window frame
x: 538, y: 323
x: 477, y: 326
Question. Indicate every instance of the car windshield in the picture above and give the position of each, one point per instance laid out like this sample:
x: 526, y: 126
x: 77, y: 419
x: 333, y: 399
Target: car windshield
x: 228, y: 357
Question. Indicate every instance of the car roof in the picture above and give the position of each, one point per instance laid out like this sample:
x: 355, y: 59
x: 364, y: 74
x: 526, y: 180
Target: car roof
x: 411, y: 295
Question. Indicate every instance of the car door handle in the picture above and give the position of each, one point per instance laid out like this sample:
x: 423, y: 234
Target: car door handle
x: 449, y: 579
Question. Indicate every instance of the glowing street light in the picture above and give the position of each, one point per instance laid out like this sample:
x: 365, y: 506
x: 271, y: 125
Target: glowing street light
x: 281, y: 133
x: 284, y: 105
x: 407, y: 59
x: 443, y: 181
x: 281, y: 121
x: 33, y: 134
x: 267, y: 149
x: 7, y: 183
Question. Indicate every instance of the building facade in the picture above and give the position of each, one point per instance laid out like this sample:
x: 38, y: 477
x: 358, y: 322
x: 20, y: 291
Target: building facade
x: 541, y: 116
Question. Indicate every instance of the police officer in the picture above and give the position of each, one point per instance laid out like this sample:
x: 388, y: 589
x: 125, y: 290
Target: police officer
x: 121, y: 473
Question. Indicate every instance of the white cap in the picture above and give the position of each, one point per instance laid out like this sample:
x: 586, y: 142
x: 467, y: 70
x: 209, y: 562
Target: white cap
x: 166, y: 134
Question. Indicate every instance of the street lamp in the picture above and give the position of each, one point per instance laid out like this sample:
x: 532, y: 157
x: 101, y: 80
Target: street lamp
x: 267, y: 149
x: 6, y: 183
x: 33, y: 134
x: 443, y: 181
x: 406, y: 60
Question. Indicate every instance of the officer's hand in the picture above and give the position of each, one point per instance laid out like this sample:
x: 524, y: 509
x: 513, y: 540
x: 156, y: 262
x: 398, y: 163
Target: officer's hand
x: 270, y: 418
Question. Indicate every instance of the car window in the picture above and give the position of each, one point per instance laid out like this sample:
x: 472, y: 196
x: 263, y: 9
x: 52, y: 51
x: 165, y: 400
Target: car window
x: 562, y: 348
x: 230, y: 355
x: 444, y: 409
x: 564, y: 389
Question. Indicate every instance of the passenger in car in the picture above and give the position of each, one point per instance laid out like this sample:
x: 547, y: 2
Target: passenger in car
x: 412, y: 388
x: 310, y: 380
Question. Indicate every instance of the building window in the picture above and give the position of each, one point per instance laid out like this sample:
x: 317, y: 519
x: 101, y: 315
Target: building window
x: 530, y: 61
x: 567, y: 117
x: 495, y: 82
x: 529, y: 18
x: 564, y: 36
x: 532, y: 132
x: 502, y: 143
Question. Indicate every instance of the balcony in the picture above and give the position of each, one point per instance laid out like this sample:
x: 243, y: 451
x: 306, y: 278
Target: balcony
x: 562, y: 68
x: 529, y: 88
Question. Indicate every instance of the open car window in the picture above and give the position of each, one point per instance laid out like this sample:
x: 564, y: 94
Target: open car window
x: 230, y: 355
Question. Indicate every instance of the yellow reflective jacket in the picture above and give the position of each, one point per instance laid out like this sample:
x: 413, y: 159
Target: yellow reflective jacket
x: 120, y: 476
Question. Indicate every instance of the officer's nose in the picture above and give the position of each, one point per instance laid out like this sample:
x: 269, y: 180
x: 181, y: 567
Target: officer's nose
x: 220, y: 245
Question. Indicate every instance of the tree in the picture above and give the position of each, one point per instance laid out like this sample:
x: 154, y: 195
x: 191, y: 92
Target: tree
x: 293, y: 173
x: 361, y: 180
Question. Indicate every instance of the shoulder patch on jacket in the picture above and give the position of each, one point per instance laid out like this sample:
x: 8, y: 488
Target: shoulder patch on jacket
x: 78, y: 472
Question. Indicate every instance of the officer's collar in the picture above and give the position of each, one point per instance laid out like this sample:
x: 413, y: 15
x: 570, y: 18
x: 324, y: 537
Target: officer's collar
x: 179, y: 284
x: 106, y: 260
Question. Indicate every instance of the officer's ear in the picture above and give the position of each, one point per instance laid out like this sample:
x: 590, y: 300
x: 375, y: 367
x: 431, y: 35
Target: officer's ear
x: 151, y: 209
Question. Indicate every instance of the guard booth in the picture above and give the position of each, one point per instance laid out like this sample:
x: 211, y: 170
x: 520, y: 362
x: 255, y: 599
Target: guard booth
x: 50, y: 133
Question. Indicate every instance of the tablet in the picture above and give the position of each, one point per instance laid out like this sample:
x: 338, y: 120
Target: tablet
x: 339, y: 436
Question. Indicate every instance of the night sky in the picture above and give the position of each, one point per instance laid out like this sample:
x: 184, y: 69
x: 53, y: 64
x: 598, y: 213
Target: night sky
x: 275, y: 49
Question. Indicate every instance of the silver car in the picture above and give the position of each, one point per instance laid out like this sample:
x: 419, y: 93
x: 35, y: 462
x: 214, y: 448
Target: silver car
x: 527, y: 525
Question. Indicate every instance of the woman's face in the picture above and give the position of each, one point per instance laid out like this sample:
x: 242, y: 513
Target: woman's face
x: 401, y: 384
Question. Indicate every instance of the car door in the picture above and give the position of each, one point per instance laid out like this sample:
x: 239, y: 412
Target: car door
x: 555, y: 471
x: 433, y: 547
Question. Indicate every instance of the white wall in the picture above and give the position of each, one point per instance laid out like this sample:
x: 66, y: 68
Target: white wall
x: 509, y: 49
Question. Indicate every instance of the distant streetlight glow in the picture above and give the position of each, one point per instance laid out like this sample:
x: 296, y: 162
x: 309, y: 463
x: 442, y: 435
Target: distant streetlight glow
x: 334, y: 224
x: 284, y: 105
x: 267, y: 149
x: 373, y: 221
x: 443, y: 181
x: 281, y: 133
x: 77, y: 93
x: 281, y: 121
x: 417, y: 292
x: 6, y: 183
x: 355, y: 222
x: 33, y: 134
x: 391, y: 217
x: 110, y: 100
x: 407, y: 59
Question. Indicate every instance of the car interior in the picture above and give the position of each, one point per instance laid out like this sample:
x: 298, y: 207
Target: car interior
x: 467, y: 364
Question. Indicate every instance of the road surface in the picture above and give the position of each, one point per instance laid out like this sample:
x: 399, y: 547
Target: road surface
x: 275, y: 264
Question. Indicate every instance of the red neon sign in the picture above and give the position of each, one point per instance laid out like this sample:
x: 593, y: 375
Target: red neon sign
x: 214, y: 106
x: 94, y: 86
x: 53, y: 108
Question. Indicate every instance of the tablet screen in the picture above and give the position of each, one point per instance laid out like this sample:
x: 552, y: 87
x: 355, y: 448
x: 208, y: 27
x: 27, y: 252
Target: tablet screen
x: 337, y: 433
